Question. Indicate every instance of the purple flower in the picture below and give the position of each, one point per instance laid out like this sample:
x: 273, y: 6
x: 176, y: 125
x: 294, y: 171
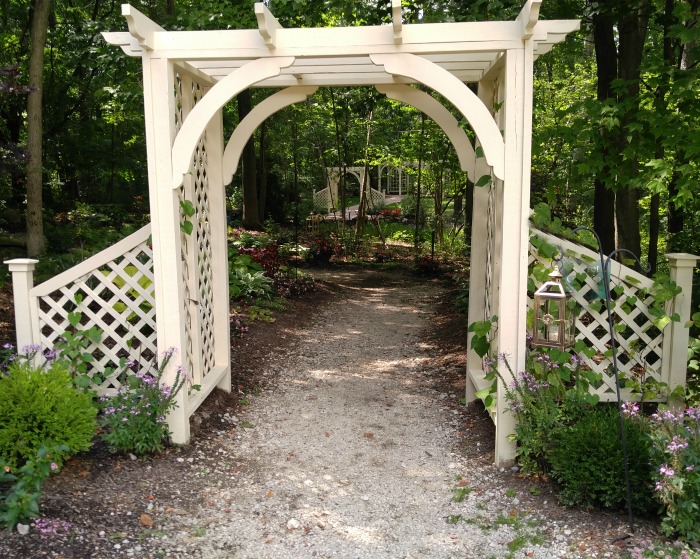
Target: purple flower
x: 54, y: 466
x: 630, y: 409
x: 666, y: 470
x: 32, y: 348
x: 689, y: 468
x: 693, y: 413
x: 8, y: 346
x: 676, y: 444
x: 668, y: 415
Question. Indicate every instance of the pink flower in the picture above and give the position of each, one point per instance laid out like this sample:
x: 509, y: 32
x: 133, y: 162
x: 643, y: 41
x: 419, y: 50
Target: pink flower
x: 54, y: 466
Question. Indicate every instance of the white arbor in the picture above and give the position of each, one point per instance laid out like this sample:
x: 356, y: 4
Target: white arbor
x: 189, y: 76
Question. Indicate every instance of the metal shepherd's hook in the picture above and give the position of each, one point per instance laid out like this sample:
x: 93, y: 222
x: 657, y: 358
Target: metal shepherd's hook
x: 605, y: 265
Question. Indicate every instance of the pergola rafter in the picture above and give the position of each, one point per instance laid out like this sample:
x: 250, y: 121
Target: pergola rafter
x: 190, y: 75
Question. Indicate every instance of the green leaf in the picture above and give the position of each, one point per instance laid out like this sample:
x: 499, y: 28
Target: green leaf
x: 483, y: 180
x: 187, y: 208
x: 662, y: 322
x: 480, y: 345
x: 74, y: 318
x: 186, y: 227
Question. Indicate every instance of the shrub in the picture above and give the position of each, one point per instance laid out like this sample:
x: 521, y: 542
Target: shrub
x: 135, y: 419
x: 42, y: 407
x: 587, y: 462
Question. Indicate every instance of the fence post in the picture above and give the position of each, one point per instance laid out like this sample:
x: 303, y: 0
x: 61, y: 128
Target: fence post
x: 22, y: 270
x: 675, y: 348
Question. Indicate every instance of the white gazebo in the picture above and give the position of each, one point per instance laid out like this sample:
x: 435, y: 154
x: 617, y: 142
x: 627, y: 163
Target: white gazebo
x: 189, y: 76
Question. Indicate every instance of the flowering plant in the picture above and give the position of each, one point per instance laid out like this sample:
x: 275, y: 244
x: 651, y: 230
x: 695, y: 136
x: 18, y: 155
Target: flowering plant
x: 390, y: 213
x: 675, y: 436
x: 382, y: 254
x: 551, y: 392
x: 322, y: 249
x: 134, y: 419
x: 21, y: 500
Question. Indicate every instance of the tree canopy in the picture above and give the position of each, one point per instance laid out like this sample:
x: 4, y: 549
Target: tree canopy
x: 615, y: 119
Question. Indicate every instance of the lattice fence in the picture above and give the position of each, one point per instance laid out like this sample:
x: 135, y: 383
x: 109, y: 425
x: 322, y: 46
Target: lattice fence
x: 638, y: 340
x: 377, y: 199
x: 113, y: 291
x: 196, y: 247
x: 323, y: 198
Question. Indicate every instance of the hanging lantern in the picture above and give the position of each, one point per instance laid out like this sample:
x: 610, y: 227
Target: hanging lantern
x: 553, y: 321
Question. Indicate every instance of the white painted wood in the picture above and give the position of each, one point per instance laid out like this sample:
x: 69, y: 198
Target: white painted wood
x: 528, y: 17
x: 514, y: 209
x: 396, y: 21
x: 267, y: 24
x: 272, y: 56
x: 458, y: 94
x: 125, y: 41
x: 94, y: 262
x: 22, y: 270
x: 140, y: 26
x: 443, y: 117
x: 253, y: 120
x: 159, y: 109
x: 197, y: 120
x: 219, y: 252
x: 676, y: 334
x: 478, y: 256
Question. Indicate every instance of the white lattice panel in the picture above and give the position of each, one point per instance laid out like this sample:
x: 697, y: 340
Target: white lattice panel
x: 639, y: 342
x: 322, y: 198
x: 376, y: 198
x: 204, y: 270
x: 115, y: 289
x: 196, y: 247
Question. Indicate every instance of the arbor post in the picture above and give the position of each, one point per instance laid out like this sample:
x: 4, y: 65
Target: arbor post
x: 676, y: 335
x: 22, y: 270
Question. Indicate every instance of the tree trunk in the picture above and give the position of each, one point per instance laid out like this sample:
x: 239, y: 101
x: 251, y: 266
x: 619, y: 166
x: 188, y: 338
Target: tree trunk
x: 36, y: 244
x: 262, y: 182
x: 604, y: 196
x: 632, y: 30
x: 250, y: 193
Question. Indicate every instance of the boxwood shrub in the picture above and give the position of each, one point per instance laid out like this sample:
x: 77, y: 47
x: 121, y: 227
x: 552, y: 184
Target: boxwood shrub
x: 42, y: 407
x: 587, y: 462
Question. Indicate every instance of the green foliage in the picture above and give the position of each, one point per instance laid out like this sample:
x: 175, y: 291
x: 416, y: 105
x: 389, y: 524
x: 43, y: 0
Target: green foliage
x: 42, y: 407
x: 247, y: 280
x: 483, y: 331
x: 134, y: 420
x: 552, y: 392
x: 72, y: 350
x: 588, y: 464
x: 20, y: 501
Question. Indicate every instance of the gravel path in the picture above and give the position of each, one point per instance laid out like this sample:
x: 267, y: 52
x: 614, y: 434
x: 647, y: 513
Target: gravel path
x: 352, y: 455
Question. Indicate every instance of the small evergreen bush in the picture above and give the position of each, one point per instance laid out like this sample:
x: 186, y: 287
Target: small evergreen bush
x: 42, y: 407
x: 588, y: 464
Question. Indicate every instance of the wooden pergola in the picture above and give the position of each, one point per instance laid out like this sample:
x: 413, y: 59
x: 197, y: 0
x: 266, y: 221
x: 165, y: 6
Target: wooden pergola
x: 189, y: 76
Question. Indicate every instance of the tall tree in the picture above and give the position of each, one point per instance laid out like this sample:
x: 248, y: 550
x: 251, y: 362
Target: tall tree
x: 37, y: 41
